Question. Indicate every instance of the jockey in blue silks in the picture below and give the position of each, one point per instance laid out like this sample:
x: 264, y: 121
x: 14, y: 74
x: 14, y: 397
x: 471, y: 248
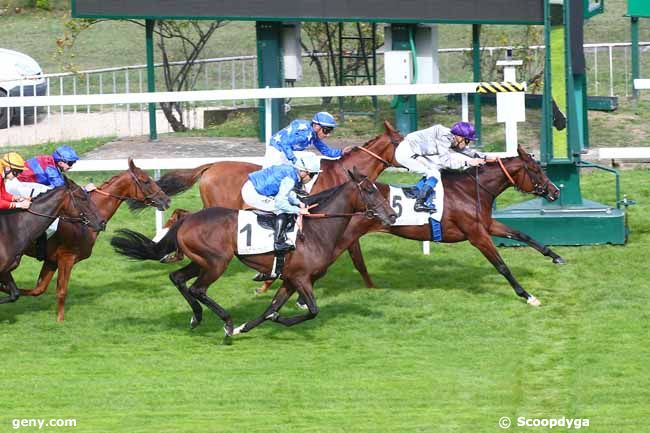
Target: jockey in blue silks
x: 430, y: 150
x: 272, y: 189
x: 298, y: 136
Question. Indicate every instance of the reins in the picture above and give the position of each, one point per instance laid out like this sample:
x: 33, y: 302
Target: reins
x: 374, y: 155
x: 61, y: 217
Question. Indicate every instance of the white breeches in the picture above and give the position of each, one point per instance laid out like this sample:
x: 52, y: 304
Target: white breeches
x: 273, y: 156
x: 427, y: 165
x: 256, y: 200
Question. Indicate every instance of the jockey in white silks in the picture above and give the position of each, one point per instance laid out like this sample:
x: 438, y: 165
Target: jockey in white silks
x: 430, y: 150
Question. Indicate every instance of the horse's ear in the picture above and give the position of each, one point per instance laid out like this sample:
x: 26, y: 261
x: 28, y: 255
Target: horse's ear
x: 388, y: 127
x: 131, y: 164
x: 521, y: 152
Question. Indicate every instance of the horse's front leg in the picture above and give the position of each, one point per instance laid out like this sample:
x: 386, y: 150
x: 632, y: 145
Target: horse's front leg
x: 482, y: 240
x: 306, y: 292
x: 357, y: 259
x: 279, y: 299
x: 501, y: 230
x: 63, y: 279
x: 11, y: 288
x: 47, y: 272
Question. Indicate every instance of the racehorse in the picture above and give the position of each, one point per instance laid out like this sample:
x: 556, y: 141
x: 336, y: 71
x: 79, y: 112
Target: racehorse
x: 221, y: 182
x: 209, y: 239
x: 467, y: 212
x: 73, y: 243
x: 19, y: 228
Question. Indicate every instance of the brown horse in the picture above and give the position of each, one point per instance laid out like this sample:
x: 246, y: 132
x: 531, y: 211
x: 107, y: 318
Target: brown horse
x: 19, y: 228
x: 221, y: 182
x: 467, y: 213
x: 73, y: 243
x: 209, y: 239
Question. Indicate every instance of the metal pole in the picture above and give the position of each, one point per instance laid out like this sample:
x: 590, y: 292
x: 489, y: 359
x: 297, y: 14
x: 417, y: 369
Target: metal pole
x: 151, y: 79
x: 634, y: 27
x: 476, y: 69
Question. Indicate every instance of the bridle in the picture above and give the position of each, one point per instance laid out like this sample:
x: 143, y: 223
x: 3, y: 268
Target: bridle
x: 148, y: 199
x: 80, y: 219
x: 539, y: 188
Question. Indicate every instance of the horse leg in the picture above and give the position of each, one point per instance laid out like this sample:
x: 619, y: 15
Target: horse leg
x: 481, y: 240
x: 279, y: 299
x: 179, y: 278
x: 10, y: 284
x: 307, y: 294
x: 65, y: 269
x: 265, y: 287
x: 357, y: 259
x: 499, y: 229
x: 47, y: 272
x: 199, y: 291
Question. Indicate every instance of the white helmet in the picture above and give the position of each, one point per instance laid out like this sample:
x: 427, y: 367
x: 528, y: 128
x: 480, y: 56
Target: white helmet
x: 308, y: 162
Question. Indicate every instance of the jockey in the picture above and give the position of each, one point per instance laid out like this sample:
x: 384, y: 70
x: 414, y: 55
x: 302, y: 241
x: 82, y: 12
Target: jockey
x: 298, y: 136
x: 272, y: 189
x: 48, y: 170
x: 429, y: 150
x: 12, y: 165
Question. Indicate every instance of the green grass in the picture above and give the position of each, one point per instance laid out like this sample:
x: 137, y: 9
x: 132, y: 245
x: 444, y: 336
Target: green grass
x: 443, y: 345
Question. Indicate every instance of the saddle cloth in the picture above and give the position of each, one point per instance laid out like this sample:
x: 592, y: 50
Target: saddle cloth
x: 253, y: 238
x: 402, y: 201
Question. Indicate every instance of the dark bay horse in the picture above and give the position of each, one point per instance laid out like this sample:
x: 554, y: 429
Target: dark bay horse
x: 19, y: 228
x: 465, y: 218
x: 73, y: 243
x: 209, y: 239
x: 221, y: 182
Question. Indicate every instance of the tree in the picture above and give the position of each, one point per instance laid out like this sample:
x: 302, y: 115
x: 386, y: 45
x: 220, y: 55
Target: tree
x: 177, y: 41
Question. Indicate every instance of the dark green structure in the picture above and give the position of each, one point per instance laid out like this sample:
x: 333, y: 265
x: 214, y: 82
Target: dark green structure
x: 571, y: 221
x: 636, y: 9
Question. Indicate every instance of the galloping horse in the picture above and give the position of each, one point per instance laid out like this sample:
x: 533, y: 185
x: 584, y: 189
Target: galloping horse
x: 467, y: 213
x: 209, y: 239
x: 221, y: 182
x: 19, y: 228
x: 73, y: 243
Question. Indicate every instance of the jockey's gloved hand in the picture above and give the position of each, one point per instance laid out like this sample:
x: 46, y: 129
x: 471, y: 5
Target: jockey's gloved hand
x: 22, y: 204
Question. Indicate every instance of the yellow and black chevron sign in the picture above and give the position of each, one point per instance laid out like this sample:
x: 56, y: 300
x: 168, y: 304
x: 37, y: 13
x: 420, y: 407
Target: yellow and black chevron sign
x: 499, y: 87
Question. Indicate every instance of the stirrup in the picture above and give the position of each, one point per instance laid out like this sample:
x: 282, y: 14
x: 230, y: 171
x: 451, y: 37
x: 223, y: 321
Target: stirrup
x: 264, y: 277
x: 422, y: 207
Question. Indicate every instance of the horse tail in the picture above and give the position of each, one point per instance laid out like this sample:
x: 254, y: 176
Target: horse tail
x: 175, y: 182
x: 138, y: 246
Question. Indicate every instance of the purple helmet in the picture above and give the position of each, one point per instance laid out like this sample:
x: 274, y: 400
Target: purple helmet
x: 465, y: 130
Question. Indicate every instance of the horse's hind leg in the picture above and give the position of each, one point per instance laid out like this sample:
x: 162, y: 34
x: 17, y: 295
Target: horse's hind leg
x: 499, y: 229
x: 279, y: 299
x: 63, y: 279
x: 10, y: 284
x: 179, y: 278
x: 357, y: 259
x: 199, y: 291
x: 47, y: 272
x: 483, y: 242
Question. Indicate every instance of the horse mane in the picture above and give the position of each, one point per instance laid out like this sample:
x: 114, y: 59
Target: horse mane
x: 323, y: 197
x: 110, y: 180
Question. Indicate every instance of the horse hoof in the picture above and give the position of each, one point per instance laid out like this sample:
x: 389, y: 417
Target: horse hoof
x: 227, y: 328
x: 260, y: 290
x: 238, y: 330
x: 194, y: 322
x: 533, y: 301
x: 559, y: 261
x: 274, y: 315
x: 302, y: 306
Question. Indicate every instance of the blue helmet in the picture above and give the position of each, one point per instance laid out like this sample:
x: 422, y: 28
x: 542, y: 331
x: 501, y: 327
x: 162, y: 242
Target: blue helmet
x: 65, y: 153
x: 323, y: 118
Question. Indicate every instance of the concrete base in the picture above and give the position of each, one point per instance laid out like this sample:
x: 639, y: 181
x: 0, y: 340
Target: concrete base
x: 589, y: 224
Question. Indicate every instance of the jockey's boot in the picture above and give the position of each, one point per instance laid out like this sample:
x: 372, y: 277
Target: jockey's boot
x: 426, y: 197
x: 280, y: 244
x: 41, y: 247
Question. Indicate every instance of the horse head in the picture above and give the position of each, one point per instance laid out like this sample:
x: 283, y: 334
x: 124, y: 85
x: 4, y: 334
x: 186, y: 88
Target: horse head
x: 78, y: 207
x: 145, y: 190
x: 375, y: 203
x: 532, y: 179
